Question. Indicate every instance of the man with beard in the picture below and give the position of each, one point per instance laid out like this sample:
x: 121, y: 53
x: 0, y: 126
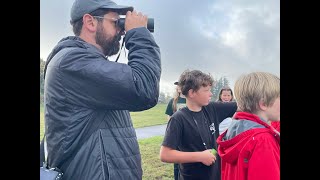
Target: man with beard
x: 89, y: 132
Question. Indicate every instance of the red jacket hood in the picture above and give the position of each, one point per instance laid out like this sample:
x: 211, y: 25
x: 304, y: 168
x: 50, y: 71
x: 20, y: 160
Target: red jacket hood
x: 229, y: 149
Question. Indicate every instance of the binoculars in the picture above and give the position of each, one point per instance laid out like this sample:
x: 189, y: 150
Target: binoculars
x: 150, y: 24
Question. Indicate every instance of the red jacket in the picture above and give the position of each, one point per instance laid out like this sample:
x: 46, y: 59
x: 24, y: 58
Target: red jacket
x: 254, y: 154
x: 276, y: 125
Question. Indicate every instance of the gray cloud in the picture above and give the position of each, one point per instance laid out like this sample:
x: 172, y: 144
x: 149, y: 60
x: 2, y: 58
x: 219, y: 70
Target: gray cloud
x: 224, y: 38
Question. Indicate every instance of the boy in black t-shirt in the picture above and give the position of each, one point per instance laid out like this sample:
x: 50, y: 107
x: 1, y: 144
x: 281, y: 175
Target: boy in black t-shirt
x: 192, y: 129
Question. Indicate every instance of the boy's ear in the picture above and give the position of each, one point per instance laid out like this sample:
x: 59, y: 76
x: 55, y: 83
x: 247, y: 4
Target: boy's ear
x: 262, y: 105
x: 191, y: 93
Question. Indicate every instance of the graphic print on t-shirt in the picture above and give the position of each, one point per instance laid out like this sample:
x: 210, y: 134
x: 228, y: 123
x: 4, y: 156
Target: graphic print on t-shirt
x: 212, y: 128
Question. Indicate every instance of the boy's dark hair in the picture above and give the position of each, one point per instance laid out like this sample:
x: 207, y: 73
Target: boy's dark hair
x: 77, y: 25
x: 194, y: 80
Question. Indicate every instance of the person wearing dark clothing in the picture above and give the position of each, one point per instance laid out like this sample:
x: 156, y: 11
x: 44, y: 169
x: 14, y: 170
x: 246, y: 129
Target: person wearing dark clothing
x: 178, y: 103
x: 225, y: 95
x: 89, y: 131
x: 194, y: 128
x: 175, y: 104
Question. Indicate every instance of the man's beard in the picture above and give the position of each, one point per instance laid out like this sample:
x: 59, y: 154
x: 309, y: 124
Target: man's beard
x: 110, y: 46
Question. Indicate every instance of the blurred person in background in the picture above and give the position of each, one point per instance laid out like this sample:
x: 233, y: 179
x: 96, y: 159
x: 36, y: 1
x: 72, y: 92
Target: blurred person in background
x: 225, y: 95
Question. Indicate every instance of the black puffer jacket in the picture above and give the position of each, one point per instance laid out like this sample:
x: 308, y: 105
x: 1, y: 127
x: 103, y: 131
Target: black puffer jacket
x: 89, y: 131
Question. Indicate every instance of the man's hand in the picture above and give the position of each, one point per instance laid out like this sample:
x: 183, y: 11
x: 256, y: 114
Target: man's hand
x: 134, y: 20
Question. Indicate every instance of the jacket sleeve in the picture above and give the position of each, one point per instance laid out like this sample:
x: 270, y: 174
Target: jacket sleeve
x: 92, y: 81
x: 264, y: 163
x: 224, y: 109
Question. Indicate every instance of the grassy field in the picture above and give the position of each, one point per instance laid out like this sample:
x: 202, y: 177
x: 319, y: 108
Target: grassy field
x: 150, y: 117
x: 153, y: 168
x: 41, y: 122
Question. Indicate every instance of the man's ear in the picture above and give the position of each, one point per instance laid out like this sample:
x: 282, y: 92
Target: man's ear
x: 89, y: 23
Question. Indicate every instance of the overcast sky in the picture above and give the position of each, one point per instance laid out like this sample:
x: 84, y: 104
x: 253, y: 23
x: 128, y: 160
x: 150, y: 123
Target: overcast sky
x: 221, y: 37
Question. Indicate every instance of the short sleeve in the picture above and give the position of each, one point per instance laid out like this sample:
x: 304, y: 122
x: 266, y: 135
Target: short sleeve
x: 172, y: 137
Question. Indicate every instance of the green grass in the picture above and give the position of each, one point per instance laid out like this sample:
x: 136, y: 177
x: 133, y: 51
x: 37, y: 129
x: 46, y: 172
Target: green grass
x: 150, y: 117
x: 153, y: 168
x: 41, y: 122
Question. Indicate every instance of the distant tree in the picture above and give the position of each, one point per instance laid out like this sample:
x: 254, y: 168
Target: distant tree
x: 168, y: 98
x: 162, y: 97
x: 223, y: 81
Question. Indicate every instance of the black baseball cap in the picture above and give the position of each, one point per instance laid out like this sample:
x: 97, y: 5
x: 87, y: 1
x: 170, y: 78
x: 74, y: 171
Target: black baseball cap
x: 82, y: 7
